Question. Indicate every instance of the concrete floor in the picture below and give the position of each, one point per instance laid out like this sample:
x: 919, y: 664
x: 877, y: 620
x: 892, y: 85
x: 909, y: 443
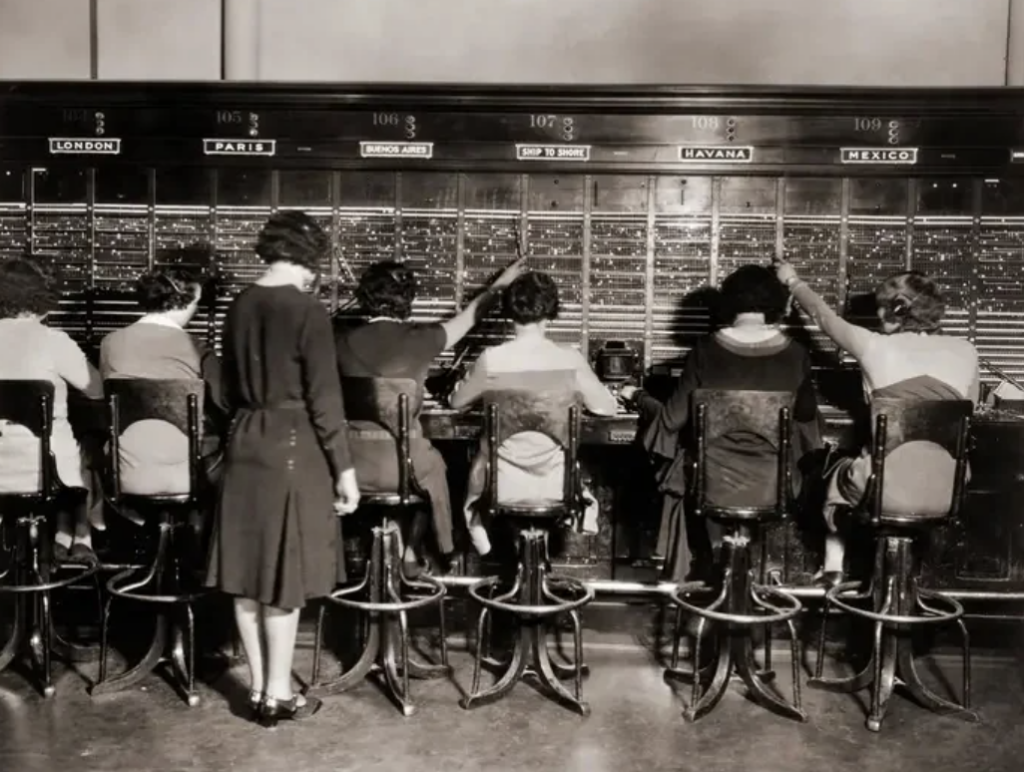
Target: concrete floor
x: 635, y: 725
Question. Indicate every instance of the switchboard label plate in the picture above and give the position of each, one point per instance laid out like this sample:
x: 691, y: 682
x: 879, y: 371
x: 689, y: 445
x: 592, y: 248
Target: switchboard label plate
x: 879, y: 156
x: 421, y: 150
x: 728, y: 154
x: 553, y: 153
x: 250, y: 147
x: 83, y: 146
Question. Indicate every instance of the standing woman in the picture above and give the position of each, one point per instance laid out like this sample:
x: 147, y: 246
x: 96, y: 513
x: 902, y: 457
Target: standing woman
x: 909, y: 360
x: 276, y: 543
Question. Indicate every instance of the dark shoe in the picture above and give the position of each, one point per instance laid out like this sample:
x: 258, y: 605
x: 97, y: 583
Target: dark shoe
x: 60, y: 553
x: 828, y: 579
x: 81, y: 553
x: 274, y: 710
x: 255, y: 705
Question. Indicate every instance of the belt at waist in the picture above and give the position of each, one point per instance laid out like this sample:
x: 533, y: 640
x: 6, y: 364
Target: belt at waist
x: 356, y: 432
x: 288, y: 404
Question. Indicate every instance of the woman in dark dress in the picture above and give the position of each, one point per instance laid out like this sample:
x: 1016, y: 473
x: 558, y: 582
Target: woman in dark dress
x: 751, y: 352
x: 276, y: 542
x: 390, y: 346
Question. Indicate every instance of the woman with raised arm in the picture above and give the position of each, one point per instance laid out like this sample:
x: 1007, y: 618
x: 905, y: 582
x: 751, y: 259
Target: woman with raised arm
x: 33, y: 351
x: 390, y: 346
x: 750, y: 352
x: 276, y: 543
x: 910, y: 359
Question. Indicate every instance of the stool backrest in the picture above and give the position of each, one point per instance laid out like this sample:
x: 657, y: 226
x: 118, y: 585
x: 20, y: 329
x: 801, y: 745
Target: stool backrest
x: 391, y: 404
x: 896, y: 423
x: 546, y: 402
x: 29, y: 403
x: 175, y: 401
x: 765, y: 417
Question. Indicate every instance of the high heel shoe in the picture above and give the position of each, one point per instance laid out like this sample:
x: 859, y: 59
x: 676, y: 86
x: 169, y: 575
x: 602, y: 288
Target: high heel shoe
x: 274, y: 710
x: 255, y: 705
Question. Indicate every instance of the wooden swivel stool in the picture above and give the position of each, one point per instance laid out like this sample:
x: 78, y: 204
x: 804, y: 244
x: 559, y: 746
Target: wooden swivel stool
x: 897, y: 605
x: 384, y: 595
x: 170, y: 581
x: 26, y: 539
x: 740, y: 603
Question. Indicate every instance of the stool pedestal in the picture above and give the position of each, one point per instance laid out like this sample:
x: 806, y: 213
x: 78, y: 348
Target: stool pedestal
x: 173, y: 640
x: 898, y: 607
x: 32, y: 624
x: 740, y: 605
x: 534, y: 599
x: 386, y: 642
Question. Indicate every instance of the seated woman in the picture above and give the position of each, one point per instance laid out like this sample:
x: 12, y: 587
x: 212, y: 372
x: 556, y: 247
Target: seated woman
x: 750, y: 353
x: 530, y: 464
x: 909, y: 360
x: 390, y: 346
x: 154, y: 454
x: 33, y: 351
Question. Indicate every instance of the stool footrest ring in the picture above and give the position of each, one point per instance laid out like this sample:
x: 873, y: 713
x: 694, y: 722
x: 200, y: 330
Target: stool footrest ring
x: 559, y: 604
x: 14, y: 589
x: 938, y: 616
x: 438, y: 593
x: 781, y: 614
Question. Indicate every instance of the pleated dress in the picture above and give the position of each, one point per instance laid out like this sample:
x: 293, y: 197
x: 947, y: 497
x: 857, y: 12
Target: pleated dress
x: 276, y: 538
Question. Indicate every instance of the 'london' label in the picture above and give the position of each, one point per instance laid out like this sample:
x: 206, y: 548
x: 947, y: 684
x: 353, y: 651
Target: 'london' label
x: 1017, y: 156
x: 239, y: 146
x: 743, y: 154
x: 552, y: 152
x: 71, y: 146
x: 883, y: 155
x: 424, y: 150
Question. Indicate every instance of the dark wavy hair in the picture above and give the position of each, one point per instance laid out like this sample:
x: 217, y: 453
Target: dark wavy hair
x: 532, y: 298
x: 25, y: 288
x: 387, y: 288
x: 752, y: 289
x: 166, y: 290
x: 293, y: 237
x: 911, y: 300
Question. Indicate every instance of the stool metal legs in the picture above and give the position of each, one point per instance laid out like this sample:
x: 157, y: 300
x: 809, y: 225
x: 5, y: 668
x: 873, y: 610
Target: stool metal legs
x: 173, y: 640
x: 386, y: 641
x: 537, y: 598
x: 733, y: 609
x: 32, y: 627
x: 899, y: 606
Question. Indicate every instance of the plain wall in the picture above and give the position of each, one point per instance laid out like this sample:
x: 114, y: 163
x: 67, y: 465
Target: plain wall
x: 827, y: 42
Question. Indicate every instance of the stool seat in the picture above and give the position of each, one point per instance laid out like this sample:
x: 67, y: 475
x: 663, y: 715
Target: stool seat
x: 533, y: 511
x: 394, y: 499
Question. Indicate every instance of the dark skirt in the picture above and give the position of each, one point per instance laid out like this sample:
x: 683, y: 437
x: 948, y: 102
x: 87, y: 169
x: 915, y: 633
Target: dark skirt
x: 276, y: 539
x: 376, y: 462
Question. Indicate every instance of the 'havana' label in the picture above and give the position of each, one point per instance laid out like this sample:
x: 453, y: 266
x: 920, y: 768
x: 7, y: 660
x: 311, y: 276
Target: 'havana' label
x: 742, y: 154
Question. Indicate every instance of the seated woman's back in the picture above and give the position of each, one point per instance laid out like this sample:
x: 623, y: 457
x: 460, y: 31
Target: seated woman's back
x: 154, y: 454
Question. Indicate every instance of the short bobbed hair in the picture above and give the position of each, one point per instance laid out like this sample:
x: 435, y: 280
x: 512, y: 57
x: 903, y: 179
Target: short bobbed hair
x: 293, y: 237
x: 165, y: 290
x: 387, y: 288
x: 532, y: 298
x: 752, y: 289
x: 912, y: 301
x: 25, y: 288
